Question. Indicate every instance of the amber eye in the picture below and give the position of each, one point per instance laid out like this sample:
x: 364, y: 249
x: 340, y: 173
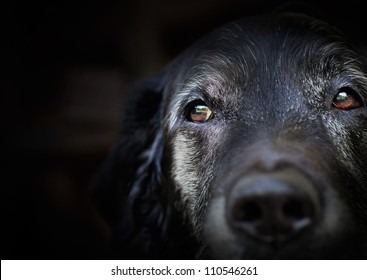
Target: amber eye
x: 347, y: 99
x: 200, y: 113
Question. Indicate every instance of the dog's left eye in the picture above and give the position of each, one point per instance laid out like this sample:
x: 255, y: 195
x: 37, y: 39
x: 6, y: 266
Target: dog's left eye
x: 347, y: 99
x: 200, y: 113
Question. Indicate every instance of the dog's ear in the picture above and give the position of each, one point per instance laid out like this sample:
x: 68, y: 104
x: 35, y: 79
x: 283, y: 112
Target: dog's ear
x: 127, y: 191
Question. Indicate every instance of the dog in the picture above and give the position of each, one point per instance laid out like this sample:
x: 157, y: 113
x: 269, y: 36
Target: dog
x: 252, y: 144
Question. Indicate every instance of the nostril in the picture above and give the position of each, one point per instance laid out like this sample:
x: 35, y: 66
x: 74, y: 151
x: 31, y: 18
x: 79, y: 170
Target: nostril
x: 249, y: 211
x: 294, y: 209
x: 300, y: 213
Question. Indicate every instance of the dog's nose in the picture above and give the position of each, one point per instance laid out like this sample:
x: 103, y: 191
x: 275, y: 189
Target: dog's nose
x: 273, y: 208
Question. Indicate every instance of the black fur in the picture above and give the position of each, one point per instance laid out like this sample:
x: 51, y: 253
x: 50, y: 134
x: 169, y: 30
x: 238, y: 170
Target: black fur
x: 274, y: 80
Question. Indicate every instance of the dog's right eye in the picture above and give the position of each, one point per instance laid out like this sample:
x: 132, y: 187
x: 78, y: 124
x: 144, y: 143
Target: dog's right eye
x: 199, y: 113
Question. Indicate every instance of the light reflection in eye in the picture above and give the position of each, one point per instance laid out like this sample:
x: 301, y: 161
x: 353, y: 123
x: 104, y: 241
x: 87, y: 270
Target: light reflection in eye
x: 200, y: 114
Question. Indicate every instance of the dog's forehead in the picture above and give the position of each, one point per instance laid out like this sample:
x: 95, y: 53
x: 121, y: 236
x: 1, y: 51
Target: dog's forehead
x: 268, y: 54
x: 282, y: 48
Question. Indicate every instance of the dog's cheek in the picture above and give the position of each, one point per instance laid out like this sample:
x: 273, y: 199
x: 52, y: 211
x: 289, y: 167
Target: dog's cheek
x: 184, y: 172
x: 220, y: 240
x: 350, y: 140
x: 343, y: 142
x: 194, y: 157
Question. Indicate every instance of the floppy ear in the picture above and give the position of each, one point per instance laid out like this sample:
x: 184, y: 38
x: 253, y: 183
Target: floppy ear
x: 128, y: 191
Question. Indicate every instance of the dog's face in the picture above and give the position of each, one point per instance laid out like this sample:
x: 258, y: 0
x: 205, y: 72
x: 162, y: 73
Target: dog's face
x: 265, y: 132
x: 251, y: 144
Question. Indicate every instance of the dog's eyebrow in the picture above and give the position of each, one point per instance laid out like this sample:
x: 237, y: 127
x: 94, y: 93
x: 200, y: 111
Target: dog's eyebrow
x: 339, y: 62
x: 214, y: 72
x: 217, y: 94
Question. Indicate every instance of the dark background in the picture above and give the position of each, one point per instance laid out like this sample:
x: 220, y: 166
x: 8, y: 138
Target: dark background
x: 66, y: 67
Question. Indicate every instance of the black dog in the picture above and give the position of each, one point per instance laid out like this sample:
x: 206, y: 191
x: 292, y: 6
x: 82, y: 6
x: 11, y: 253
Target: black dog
x: 251, y: 144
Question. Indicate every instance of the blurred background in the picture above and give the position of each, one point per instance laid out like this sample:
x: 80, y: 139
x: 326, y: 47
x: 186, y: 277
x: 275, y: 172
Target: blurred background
x: 66, y: 67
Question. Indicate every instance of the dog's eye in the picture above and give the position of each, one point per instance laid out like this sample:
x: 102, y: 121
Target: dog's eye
x: 200, y: 113
x: 347, y: 99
